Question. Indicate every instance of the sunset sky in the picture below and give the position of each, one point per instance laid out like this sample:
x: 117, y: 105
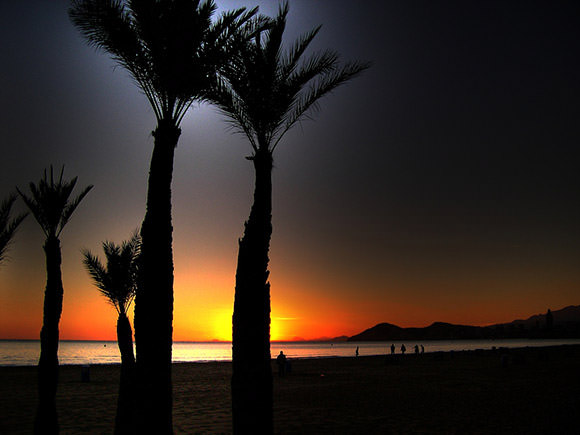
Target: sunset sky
x: 439, y: 186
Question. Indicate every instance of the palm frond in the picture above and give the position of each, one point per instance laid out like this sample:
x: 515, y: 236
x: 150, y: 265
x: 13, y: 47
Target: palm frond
x: 107, y: 25
x: 317, y: 65
x: 71, y: 207
x: 100, y: 278
x: 291, y: 59
x: 273, y: 44
x: 8, y: 225
x: 34, y: 208
x: 308, y: 101
x: 233, y: 107
x: 227, y: 37
x: 228, y: 22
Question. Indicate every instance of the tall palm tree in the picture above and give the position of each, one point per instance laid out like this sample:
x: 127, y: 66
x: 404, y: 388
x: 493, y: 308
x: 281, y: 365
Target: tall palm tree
x: 264, y: 93
x: 173, y: 51
x: 50, y: 203
x: 8, y: 226
x: 117, y: 282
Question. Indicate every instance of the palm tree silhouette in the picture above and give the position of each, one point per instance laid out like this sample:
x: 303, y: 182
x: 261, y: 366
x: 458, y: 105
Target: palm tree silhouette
x: 264, y: 93
x: 117, y: 282
x: 173, y: 51
x: 8, y: 226
x: 50, y: 204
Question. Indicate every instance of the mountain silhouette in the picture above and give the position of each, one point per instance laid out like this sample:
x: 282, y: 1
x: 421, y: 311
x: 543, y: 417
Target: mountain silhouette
x: 566, y: 324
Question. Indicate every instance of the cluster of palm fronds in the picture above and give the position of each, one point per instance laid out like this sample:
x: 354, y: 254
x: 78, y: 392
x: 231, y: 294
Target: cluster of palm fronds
x: 50, y: 204
x: 117, y: 280
x: 265, y: 91
x: 172, y: 49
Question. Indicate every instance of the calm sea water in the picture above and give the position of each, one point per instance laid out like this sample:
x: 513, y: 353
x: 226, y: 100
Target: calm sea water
x: 26, y: 353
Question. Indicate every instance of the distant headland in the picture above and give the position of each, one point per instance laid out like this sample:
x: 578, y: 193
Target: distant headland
x: 564, y: 323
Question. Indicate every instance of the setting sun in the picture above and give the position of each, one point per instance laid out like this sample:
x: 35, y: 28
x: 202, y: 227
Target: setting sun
x: 222, y: 325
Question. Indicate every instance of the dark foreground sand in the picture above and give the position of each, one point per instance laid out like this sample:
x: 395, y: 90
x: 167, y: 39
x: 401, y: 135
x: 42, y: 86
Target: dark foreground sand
x: 524, y: 391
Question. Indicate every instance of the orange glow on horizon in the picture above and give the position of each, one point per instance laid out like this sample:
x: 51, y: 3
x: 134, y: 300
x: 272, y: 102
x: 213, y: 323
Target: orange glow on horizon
x: 305, y: 306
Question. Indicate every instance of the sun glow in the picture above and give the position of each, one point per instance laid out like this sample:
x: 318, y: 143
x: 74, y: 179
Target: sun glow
x: 275, y: 330
x: 222, y: 325
x: 281, y: 328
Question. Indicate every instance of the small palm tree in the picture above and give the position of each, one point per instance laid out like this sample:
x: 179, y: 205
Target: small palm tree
x: 50, y: 204
x: 8, y: 226
x: 173, y: 51
x: 117, y: 282
x: 264, y: 93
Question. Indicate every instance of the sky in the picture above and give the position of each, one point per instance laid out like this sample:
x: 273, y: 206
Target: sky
x: 442, y: 185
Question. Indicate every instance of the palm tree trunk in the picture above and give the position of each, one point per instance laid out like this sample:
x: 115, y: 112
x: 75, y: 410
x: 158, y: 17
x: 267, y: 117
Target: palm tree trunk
x: 154, y: 297
x: 46, y: 421
x: 252, y: 370
x: 124, y: 423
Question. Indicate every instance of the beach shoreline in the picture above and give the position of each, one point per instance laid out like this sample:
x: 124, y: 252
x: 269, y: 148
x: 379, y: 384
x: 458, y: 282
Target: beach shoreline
x: 516, y: 390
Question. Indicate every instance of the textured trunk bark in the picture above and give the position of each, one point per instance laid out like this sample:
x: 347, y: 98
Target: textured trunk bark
x: 46, y: 421
x: 252, y: 370
x: 124, y: 420
x: 154, y: 298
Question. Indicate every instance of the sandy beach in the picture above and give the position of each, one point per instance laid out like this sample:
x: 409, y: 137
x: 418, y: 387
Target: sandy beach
x: 530, y: 390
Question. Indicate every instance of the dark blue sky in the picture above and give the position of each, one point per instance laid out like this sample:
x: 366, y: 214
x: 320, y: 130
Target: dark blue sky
x: 442, y: 181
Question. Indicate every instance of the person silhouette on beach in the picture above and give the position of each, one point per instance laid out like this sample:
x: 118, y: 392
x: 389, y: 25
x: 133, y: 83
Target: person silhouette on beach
x: 416, y: 350
x: 356, y: 352
x: 403, y: 349
x: 392, y: 349
x: 281, y: 361
x: 422, y: 349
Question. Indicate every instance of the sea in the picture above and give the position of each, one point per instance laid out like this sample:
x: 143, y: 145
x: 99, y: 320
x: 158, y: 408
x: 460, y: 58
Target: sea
x: 26, y: 352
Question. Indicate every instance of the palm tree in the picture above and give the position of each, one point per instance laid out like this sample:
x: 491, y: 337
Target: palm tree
x: 8, y: 226
x: 50, y: 204
x: 173, y: 51
x: 264, y: 93
x: 117, y: 282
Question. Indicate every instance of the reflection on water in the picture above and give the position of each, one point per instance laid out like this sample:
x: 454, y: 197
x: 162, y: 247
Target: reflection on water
x: 26, y: 353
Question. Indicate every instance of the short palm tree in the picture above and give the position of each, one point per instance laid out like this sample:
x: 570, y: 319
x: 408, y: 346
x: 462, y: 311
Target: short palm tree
x: 264, y: 93
x: 8, y: 225
x: 117, y: 282
x: 50, y: 203
x: 173, y: 51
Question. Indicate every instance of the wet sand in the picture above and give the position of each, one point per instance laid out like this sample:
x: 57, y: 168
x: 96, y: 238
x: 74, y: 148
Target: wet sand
x: 522, y: 391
